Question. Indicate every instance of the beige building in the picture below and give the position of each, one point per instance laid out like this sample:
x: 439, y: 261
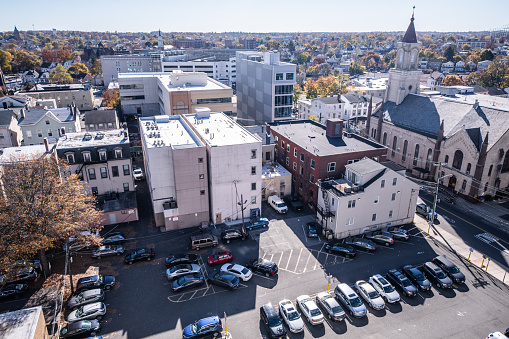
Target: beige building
x: 65, y: 95
x: 276, y: 180
x: 27, y: 323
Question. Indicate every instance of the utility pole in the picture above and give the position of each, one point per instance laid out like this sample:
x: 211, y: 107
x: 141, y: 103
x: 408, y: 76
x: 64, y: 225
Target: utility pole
x: 431, y: 218
x: 241, y: 203
x: 69, y: 258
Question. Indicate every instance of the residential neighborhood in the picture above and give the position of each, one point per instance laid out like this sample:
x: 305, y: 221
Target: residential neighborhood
x: 266, y: 181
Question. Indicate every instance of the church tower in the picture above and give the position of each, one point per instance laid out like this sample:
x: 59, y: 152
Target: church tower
x: 160, y: 41
x: 405, y: 77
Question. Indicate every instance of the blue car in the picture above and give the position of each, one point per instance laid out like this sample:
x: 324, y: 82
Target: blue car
x: 203, y: 328
x: 257, y: 223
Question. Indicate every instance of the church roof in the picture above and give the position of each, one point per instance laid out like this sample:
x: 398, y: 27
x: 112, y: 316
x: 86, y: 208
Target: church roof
x: 423, y: 115
x: 410, y: 36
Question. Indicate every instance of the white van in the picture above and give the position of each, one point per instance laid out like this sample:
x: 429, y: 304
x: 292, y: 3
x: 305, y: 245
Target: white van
x: 276, y: 203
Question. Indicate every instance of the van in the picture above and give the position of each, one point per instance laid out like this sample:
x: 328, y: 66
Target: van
x: 424, y: 211
x: 276, y: 203
x: 350, y: 300
x: 203, y: 240
x: 450, y: 269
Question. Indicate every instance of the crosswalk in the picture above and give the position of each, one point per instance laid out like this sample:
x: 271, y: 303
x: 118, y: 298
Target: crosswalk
x: 487, y: 238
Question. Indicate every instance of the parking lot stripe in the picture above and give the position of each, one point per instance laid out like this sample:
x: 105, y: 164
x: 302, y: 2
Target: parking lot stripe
x: 298, y: 259
x: 279, y: 262
x: 272, y: 256
x: 288, y: 263
x: 309, y: 256
x: 304, y: 230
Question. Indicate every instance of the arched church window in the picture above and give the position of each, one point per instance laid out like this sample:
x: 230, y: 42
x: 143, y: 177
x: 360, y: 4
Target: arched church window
x: 469, y: 167
x: 489, y: 171
x: 384, y: 142
x: 405, y: 147
x: 457, y: 160
x: 505, y: 165
x: 394, y: 142
x: 446, y: 159
x: 416, y: 154
x: 429, y: 158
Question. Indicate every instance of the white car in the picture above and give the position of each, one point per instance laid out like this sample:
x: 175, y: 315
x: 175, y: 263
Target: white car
x: 89, y: 311
x: 310, y: 310
x: 331, y: 306
x: 237, y: 270
x: 385, y: 289
x: 370, y: 295
x: 138, y: 174
x: 182, y: 269
x: 290, y: 316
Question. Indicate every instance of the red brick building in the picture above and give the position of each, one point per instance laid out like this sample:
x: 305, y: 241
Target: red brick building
x: 312, y: 152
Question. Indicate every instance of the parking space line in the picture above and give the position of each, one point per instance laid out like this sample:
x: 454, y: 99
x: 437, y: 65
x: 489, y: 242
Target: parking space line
x: 298, y: 259
x: 272, y: 256
x: 309, y: 256
x: 289, y: 257
x: 388, y: 247
x: 279, y: 262
x: 321, y: 249
x: 262, y: 276
x: 304, y: 230
x: 365, y: 252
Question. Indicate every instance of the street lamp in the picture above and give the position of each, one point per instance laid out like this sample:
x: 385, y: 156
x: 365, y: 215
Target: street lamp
x: 432, y: 217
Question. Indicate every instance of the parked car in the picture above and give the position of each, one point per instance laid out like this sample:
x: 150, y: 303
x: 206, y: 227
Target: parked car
x: 237, y: 270
x: 95, y: 281
x: 450, y: 269
x: 257, y: 223
x: 277, y: 204
x: 138, y: 174
x: 312, y: 232
x: 179, y: 259
x: 80, y: 328
x: 270, y: 318
x: 210, y: 326
x: 350, y: 300
x: 141, y: 254
x: 339, y: 248
x: 290, y: 316
x: 19, y: 275
x: 78, y: 245
x: 219, y: 257
x: 231, y: 234
x: 435, y: 273
x: 424, y: 211
x: 86, y: 297
x: 12, y: 290
x: 263, y: 266
x: 384, y: 238
x: 225, y: 279
x: 385, y: 289
x: 333, y: 310
x: 113, y: 239
x: 360, y: 243
x: 402, y: 282
x: 370, y: 295
x: 308, y: 307
x: 294, y: 203
x: 398, y: 233
x: 417, y: 277
x: 87, y: 312
x: 180, y: 270
x: 187, y: 281
x: 107, y: 250
x: 203, y: 240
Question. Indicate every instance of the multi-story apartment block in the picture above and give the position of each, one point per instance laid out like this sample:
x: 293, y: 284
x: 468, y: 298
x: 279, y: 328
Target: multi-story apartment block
x: 101, y: 119
x: 224, y: 71
x: 103, y: 160
x: 473, y: 43
x: 264, y: 88
x: 357, y: 107
x: 176, y: 170
x: 322, y: 108
x: 112, y: 65
x: 65, y: 95
x: 148, y: 94
x: 249, y: 43
x: 189, y: 43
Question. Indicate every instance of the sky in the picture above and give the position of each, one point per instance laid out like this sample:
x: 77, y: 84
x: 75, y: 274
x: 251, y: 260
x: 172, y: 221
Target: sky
x: 254, y: 16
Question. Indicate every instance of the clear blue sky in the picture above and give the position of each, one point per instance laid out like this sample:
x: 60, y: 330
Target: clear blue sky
x: 254, y: 16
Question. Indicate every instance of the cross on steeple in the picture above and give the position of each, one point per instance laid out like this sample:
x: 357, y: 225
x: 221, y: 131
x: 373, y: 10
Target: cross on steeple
x: 413, y: 10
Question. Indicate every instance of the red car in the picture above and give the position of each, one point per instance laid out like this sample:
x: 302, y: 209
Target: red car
x: 220, y: 257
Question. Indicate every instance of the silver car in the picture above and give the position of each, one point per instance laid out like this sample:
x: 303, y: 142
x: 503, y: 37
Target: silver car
x: 86, y: 297
x: 331, y: 306
x: 350, y: 300
x: 89, y: 311
x: 181, y: 270
x: 290, y: 316
x: 385, y: 289
x: 107, y: 250
x: 370, y: 295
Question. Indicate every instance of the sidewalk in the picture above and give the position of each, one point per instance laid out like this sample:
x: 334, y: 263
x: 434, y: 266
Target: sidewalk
x: 457, y: 245
x: 491, y: 211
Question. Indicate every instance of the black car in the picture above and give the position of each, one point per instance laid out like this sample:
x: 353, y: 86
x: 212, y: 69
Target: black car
x: 95, y: 281
x: 312, y: 230
x: 19, y: 275
x: 384, y: 238
x: 224, y: 279
x: 402, y: 282
x: 417, y: 277
x: 187, y: 281
x: 361, y: 244
x: 179, y: 259
x: 80, y: 328
x: 142, y: 254
x: 450, y: 269
x: 339, y: 248
x: 12, y: 290
x: 113, y: 239
x: 435, y: 273
x: 294, y: 203
x: 262, y: 266
x: 231, y: 234
x: 271, y: 319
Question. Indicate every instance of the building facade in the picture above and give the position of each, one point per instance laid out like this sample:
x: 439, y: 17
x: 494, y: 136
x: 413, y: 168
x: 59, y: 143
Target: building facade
x: 322, y: 108
x: 10, y: 132
x: 276, y: 180
x: 65, y: 95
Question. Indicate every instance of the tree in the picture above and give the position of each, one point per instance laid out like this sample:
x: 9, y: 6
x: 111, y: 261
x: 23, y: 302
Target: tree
x: 311, y: 88
x: 60, y: 75
x: 5, y: 61
x: 111, y: 98
x: 77, y: 68
x: 452, y: 80
x: 297, y: 91
x: 272, y: 45
x: 449, y: 52
x: 49, y: 56
x: 486, y: 54
x: 24, y: 60
x: 456, y: 59
x: 42, y: 204
x: 96, y: 67
x: 303, y: 57
x: 356, y: 68
x: 466, y: 47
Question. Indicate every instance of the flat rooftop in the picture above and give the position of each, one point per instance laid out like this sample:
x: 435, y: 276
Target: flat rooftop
x: 311, y: 136
x: 274, y: 170
x: 217, y: 129
x: 166, y: 81
x: 10, y: 154
x: 99, y: 138
x: 164, y: 130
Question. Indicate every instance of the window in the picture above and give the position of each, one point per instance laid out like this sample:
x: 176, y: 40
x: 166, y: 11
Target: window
x: 312, y: 164
x: 349, y: 221
x: 376, y: 200
x: 446, y: 159
x: 102, y: 155
x: 126, y: 170
x: 104, y: 172
x: 332, y: 201
x: 351, y: 203
x: 464, y: 185
x: 405, y: 147
x: 50, y: 133
x: 95, y: 191
x: 253, y: 186
x: 279, y: 76
x: 310, y: 193
x: 47, y: 122
x: 283, y: 144
x: 505, y: 164
x: 39, y: 133
x: 382, y: 183
x: 253, y: 154
x: 87, y: 157
x: 390, y: 214
x: 202, y: 192
x: 301, y: 170
x: 114, y: 171
x: 469, y: 167
x: 384, y: 142
x: 394, y: 181
x: 373, y: 217
x: 288, y: 147
x: 457, y: 160
x: 253, y: 199
x: 416, y: 154
x: 253, y: 170
x: 118, y: 153
x: 331, y: 167
x: 429, y: 158
x: 126, y: 187
x: 267, y: 156
x: 393, y: 196
x: 29, y: 134
x: 70, y: 158
x: 294, y: 165
x: 312, y: 178
x: 489, y: 171
x: 287, y: 160
x: 295, y: 152
x: 394, y: 144
x: 302, y: 157
x: 202, y: 176
x: 200, y: 160
x: 91, y: 174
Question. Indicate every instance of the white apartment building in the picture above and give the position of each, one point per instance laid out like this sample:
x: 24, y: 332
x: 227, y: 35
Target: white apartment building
x: 264, y: 88
x: 224, y: 71
x: 234, y: 158
x: 356, y: 107
x: 176, y: 171
x: 113, y: 65
x: 369, y: 197
x: 148, y: 94
x: 322, y: 108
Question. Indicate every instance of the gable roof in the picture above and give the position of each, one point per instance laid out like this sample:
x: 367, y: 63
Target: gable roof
x: 100, y: 116
x: 32, y: 117
x: 6, y: 117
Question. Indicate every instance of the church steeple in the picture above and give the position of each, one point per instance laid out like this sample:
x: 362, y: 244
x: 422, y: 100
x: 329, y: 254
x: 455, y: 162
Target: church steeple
x: 410, y: 36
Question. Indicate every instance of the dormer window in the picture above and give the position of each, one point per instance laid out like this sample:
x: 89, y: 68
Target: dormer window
x: 118, y: 153
x: 70, y: 158
x: 87, y: 157
x: 102, y: 155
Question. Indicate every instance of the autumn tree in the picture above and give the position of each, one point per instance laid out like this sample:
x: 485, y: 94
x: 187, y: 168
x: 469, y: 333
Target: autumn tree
x: 486, y: 54
x: 49, y: 56
x: 452, y: 80
x: 303, y: 57
x: 65, y: 55
x: 297, y: 91
x: 24, y: 60
x: 60, y: 75
x: 78, y: 68
x: 356, y: 68
x: 41, y: 206
x: 466, y: 47
x: 111, y: 98
x: 96, y: 67
x: 5, y: 61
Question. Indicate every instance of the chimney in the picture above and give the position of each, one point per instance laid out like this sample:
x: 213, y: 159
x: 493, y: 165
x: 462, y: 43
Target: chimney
x: 334, y: 128
x: 46, y: 144
x: 476, y: 104
x: 22, y: 112
x: 339, y: 98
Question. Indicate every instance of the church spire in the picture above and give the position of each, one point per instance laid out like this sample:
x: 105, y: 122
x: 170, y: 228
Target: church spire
x: 410, y: 36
